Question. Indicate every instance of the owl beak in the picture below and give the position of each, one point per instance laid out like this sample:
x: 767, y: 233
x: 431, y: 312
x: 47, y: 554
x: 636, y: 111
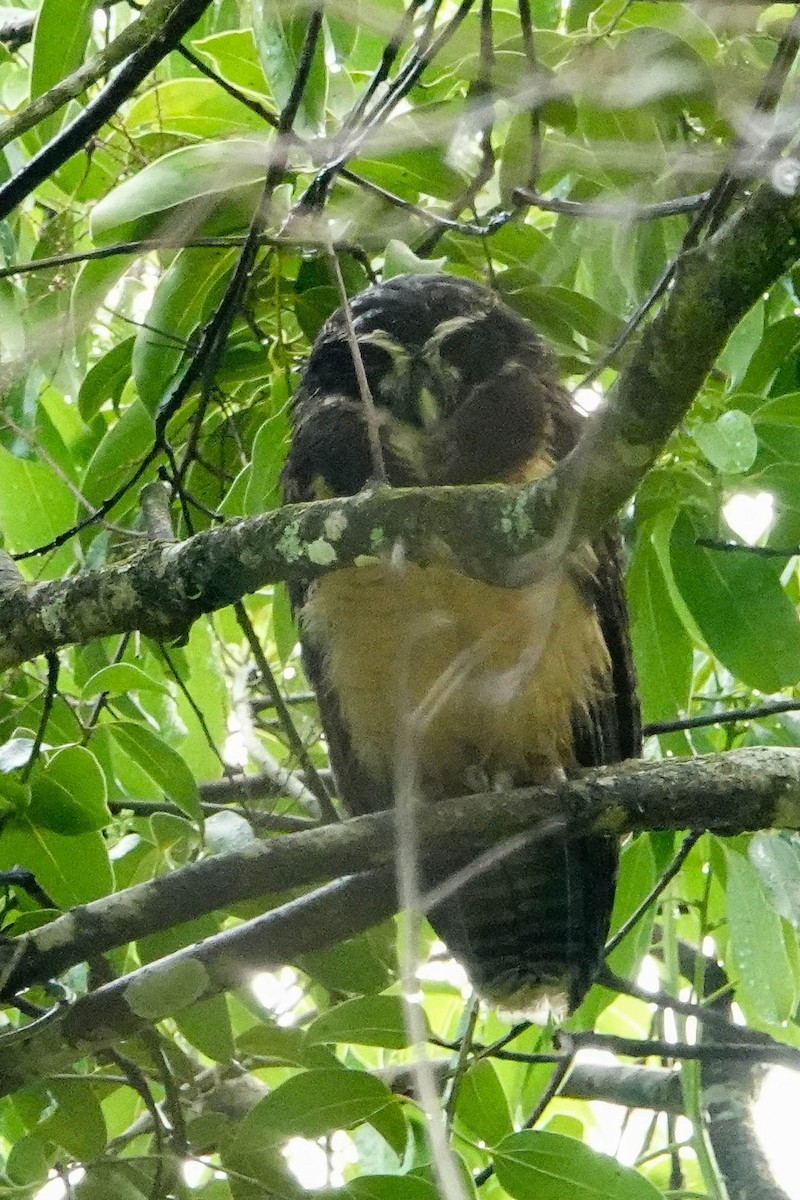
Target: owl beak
x: 427, y: 408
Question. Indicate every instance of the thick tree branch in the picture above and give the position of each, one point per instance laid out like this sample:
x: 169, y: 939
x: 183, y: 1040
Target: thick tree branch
x: 506, y: 534
x: 227, y: 961
x: 657, y: 1088
x: 750, y: 788
x: 744, y: 789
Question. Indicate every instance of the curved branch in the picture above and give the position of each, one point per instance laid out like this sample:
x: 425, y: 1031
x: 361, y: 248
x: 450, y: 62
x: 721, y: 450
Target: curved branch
x: 510, y: 535
x: 229, y: 960
x: 743, y: 789
x: 751, y: 788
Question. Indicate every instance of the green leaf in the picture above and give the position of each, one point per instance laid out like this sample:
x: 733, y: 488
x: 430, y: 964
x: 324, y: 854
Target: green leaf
x: 280, y: 40
x: 196, y: 107
x: 314, y: 1103
x: 516, y: 157
x: 73, y: 870
x: 207, y: 1025
x: 263, y: 490
x: 482, y: 1104
x: 35, y: 506
x: 381, y: 1187
x: 729, y: 443
x: 234, y: 55
x: 208, y: 189
x: 537, y: 1165
x: 68, y: 792
x: 59, y: 44
x: 118, y: 679
x: 662, y: 648
x: 163, y: 991
x: 286, y: 1043
x: 742, y: 611
x: 313, y: 307
x: 15, y: 753
x: 557, y: 311
x: 743, y: 343
x: 782, y: 410
x: 12, y: 306
x: 28, y: 1162
x: 776, y: 858
x: 95, y: 280
x: 182, y: 298
x: 118, y: 455
x: 762, y: 973
x: 106, y: 380
x: 284, y: 625
x: 78, y: 1123
x: 400, y: 259
x: 366, y: 1021
x: 122, y: 1180
x: 160, y: 762
x: 357, y: 965
x: 203, y: 676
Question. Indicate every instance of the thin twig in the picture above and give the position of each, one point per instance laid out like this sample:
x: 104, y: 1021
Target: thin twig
x: 609, y: 211
x: 49, y: 700
x: 313, y: 780
x: 672, y: 870
x: 710, y: 543
x: 729, y: 717
x: 767, y: 1051
x: 91, y: 119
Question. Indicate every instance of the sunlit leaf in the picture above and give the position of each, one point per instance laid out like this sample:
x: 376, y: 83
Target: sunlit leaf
x: 35, y: 503
x: 729, y: 443
x: 743, y: 612
x: 211, y: 188
x: 59, y: 43
x: 120, y: 678
x: 536, y: 1165
x: 280, y: 40
x: 161, y: 763
x: 366, y: 1021
x: 482, y: 1104
x: 314, y: 1103
x: 72, y: 870
x: 765, y: 984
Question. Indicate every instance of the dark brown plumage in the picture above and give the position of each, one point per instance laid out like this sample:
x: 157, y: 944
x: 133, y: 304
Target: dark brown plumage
x: 466, y: 684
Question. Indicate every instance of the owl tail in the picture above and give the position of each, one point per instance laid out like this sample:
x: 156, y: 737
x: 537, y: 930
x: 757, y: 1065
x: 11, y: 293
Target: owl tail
x: 530, y: 929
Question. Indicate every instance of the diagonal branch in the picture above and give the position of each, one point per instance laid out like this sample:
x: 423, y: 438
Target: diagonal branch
x: 751, y: 788
x: 130, y: 40
x: 228, y: 961
x: 507, y: 534
x: 167, y: 31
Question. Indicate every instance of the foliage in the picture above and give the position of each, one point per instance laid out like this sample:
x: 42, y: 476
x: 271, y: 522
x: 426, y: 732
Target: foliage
x: 431, y: 120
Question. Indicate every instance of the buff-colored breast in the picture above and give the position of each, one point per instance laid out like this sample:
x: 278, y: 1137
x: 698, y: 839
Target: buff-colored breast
x: 457, y: 673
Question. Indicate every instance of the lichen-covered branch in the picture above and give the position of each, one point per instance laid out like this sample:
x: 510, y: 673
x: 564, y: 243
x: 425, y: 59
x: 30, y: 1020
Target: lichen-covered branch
x: 509, y: 535
x: 715, y: 284
x: 162, y: 988
x: 751, y: 788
